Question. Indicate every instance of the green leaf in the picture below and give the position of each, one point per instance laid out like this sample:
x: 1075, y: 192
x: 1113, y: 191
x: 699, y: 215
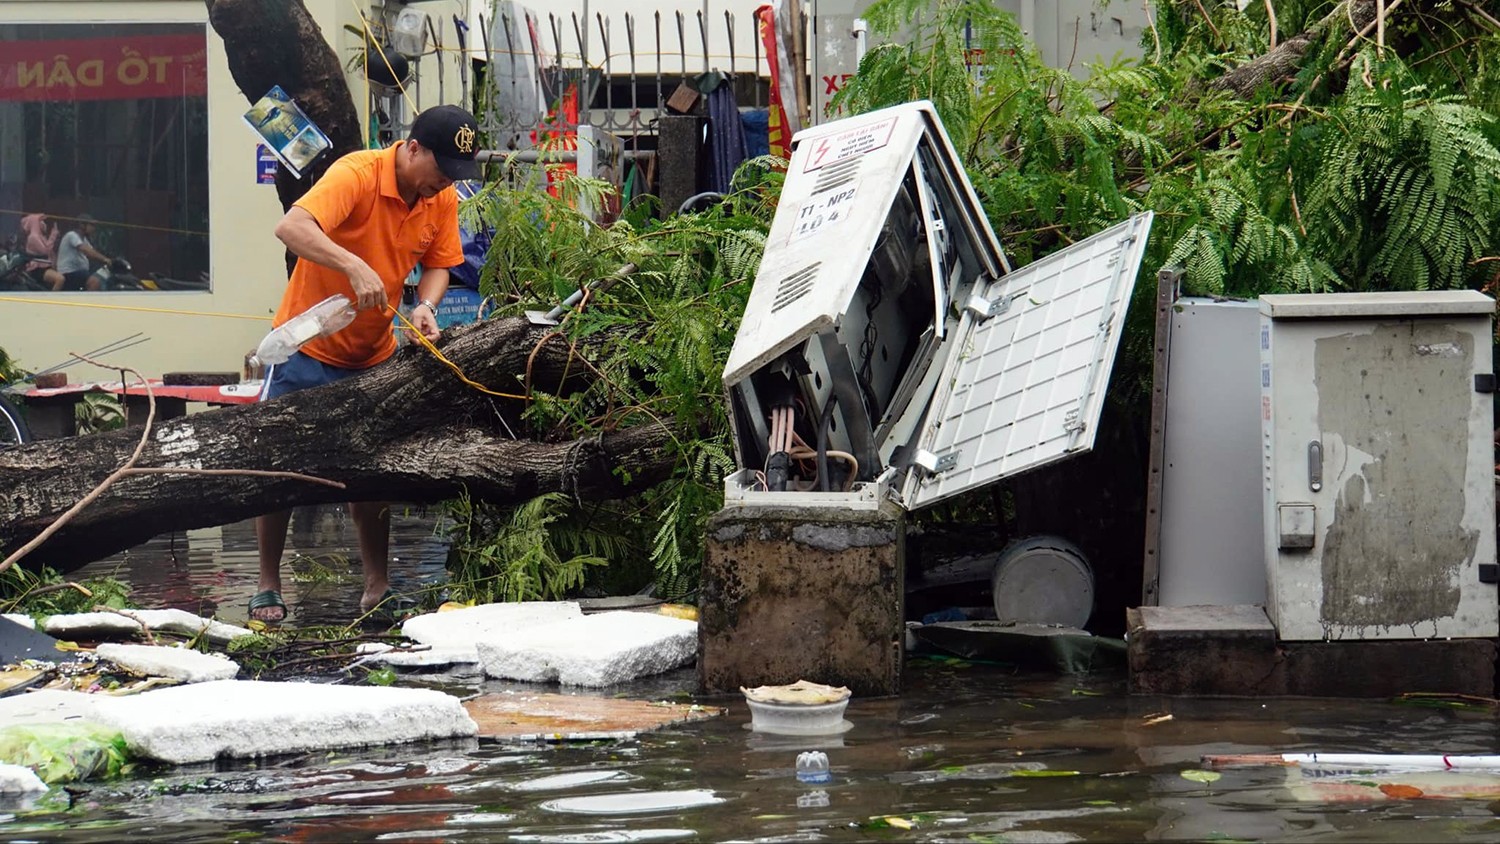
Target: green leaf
x: 1200, y: 775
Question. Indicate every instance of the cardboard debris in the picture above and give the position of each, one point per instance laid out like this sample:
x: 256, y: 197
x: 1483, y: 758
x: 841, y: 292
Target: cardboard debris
x: 1353, y: 784
x: 553, y: 717
x: 19, y: 679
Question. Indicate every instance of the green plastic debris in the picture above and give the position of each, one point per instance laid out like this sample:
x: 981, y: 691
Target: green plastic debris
x: 66, y: 752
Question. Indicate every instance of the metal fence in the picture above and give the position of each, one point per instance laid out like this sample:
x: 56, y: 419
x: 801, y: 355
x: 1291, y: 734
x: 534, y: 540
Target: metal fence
x: 621, y: 71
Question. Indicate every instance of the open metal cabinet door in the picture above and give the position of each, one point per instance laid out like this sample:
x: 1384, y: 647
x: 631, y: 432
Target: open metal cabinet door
x: 1025, y: 384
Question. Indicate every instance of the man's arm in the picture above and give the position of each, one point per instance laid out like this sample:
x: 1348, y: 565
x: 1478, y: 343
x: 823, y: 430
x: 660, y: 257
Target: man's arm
x: 89, y: 250
x: 430, y: 291
x: 300, y: 231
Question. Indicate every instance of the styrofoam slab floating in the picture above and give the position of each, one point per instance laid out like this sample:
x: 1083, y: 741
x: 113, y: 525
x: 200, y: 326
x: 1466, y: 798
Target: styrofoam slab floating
x: 19, y: 779
x: 595, y: 650
x: 183, y: 664
x: 109, y: 624
x: 462, y: 628
x: 251, y: 718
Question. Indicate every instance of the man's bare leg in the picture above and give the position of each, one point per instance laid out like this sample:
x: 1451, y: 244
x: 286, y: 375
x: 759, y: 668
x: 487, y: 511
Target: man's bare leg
x: 270, y: 538
x: 372, y: 523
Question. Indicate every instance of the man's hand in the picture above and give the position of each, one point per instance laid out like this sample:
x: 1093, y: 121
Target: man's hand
x: 300, y: 231
x: 426, y: 322
x: 369, y: 291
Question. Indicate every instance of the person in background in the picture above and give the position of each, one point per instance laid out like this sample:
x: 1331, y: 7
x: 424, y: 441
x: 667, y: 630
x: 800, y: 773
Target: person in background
x: 73, y: 255
x: 360, y: 231
x: 41, y: 241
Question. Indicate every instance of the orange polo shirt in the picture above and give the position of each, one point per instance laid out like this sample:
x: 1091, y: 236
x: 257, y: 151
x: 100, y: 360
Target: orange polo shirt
x: 357, y: 205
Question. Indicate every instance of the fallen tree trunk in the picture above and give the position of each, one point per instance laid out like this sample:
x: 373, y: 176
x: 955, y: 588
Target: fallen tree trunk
x: 277, y: 42
x: 408, y: 430
x: 1285, y: 61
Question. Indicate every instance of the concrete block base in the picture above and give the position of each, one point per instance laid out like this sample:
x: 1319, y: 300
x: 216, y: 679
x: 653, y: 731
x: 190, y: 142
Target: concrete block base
x: 809, y: 593
x: 1233, y: 651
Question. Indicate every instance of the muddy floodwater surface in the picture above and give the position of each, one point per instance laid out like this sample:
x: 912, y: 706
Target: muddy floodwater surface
x: 967, y: 753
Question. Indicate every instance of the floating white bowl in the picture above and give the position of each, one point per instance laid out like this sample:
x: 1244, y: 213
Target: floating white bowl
x: 798, y: 719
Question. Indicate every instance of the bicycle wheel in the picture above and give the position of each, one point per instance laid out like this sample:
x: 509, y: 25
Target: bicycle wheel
x: 13, y: 430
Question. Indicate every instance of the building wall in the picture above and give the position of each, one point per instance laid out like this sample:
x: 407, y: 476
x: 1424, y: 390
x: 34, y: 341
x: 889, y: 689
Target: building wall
x: 188, y: 331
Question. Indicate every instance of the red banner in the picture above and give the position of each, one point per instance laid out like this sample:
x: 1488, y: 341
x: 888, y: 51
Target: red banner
x: 778, y: 138
x: 125, y: 68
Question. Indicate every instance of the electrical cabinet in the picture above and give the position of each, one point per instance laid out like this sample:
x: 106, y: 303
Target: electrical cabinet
x: 1378, y: 465
x: 1210, y: 550
x: 888, y: 348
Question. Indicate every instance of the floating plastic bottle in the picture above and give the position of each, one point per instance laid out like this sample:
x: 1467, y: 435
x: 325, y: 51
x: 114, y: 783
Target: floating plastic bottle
x: 813, y: 800
x: 320, y: 320
x: 812, y: 766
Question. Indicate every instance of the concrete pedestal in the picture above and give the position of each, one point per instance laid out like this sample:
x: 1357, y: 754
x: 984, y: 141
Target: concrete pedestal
x: 803, y: 593
x: 1233, y: 650
x: 678, y: 150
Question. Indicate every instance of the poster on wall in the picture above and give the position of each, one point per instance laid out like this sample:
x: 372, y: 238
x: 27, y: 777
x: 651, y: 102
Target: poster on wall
x: 287, y: 131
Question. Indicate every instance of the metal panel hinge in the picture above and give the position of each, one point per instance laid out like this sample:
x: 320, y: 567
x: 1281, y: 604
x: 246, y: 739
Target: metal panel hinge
x: 984, y: 309
x: 932, y: 464
x: 1074, y: 421
x: 1484, y: 382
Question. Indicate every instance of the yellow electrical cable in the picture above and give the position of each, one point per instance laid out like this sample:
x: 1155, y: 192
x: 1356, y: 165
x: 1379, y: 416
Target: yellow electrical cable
x: 422, y: 338
x: 114, y: 224
x: 369, y: 36
x: 47, y: 301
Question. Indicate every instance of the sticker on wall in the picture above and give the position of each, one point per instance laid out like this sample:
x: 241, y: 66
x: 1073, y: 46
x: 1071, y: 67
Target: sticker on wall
x: 1265, y: 337
x: 1265, y: 376
x: 265, y: 165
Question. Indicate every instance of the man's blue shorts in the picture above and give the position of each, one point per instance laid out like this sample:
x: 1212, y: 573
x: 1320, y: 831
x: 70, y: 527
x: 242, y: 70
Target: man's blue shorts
x: 299, y: 372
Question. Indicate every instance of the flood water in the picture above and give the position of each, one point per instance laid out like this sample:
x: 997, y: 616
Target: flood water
x: 968, y: 752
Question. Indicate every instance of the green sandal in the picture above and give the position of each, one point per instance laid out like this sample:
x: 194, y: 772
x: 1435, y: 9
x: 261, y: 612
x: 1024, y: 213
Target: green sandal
x: 268, y: 599
x: 392, y: 608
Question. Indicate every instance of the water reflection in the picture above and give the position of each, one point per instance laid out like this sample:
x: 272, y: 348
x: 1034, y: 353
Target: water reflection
x: 967, y: 753
x: 214, y: 571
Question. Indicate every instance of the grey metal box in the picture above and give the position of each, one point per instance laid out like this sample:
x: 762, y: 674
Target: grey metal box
x: 1210, y: 547
x: 1378, y: 465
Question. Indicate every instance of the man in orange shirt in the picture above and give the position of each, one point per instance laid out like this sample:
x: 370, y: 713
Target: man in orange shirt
x: 360, y: 231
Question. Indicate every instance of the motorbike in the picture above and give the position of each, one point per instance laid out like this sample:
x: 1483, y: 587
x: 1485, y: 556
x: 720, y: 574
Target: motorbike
x: 13, y: 272
x: 118, y: 275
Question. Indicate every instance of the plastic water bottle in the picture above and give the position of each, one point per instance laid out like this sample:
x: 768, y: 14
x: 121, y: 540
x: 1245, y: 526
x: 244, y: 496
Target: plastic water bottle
x: 812, y: 766
x: 813, y: 800
x: 321, y: 319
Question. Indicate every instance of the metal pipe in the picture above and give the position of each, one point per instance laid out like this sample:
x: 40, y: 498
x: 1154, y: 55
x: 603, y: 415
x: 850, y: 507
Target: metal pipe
x: 729, y: 27
x: 635, y: 111
x: 607, y: 79
x: 550, y: 156
x: 755, y: 52
x: 703, y: 35
x: 682, y: 43
x: 581, y: 33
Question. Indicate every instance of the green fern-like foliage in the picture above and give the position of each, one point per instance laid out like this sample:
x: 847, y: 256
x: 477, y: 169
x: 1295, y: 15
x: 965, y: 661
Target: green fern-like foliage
x: 534, y: 551
x: 667, y: 320
x: 1405, y: 187
x: 1366, y: 169
x: 1359, y: 166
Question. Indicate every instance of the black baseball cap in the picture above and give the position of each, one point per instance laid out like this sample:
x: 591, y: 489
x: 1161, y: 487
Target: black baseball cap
x: 453, y: 135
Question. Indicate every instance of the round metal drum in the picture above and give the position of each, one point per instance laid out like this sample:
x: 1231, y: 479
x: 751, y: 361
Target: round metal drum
x: 1043, y: 580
